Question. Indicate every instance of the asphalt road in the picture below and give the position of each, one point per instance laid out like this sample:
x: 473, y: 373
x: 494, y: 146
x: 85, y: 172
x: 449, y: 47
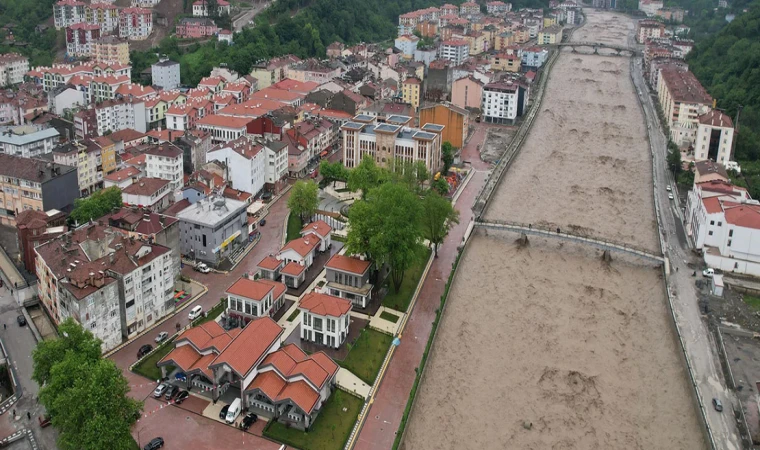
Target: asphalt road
x: 700, y: 346
x: 243, y: 20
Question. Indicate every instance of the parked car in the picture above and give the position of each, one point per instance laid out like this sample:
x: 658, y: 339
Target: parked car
x: 171, y: 391
x: 161, y: 337
x: 670, y: 196
x: 248, y: 420
x: 262, y: 222
x: 160, y: 390
x: 180, y: 376
x: 195, y: 312
x: 21, y: 321
x: 223, y: 412
x: 717, y: 405
x: 668, y: 189
x: 202, y: 268
x: 144, y: 350
x: 181, y: 397
x: 154, y: 444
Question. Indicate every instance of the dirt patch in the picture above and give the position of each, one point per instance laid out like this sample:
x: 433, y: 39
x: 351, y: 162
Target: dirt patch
x: 572, y: 354
x: 496, y: 143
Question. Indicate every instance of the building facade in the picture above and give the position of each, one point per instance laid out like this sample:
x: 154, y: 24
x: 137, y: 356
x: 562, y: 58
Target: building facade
x: 13, y: 67
x: 715, y: 137
x: 325, y: 319
x: 28, y: 141
x: 213, y: 228
x: 165, y: 73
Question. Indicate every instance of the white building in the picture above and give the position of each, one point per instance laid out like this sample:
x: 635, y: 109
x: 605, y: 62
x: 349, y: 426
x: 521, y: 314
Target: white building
x: 277, y: 161
x: 246, y: 163
x: 116, y: 115
x: 715, y: 136
x: 148, y: 193
x: 407, y: 44
x: 223, y: 128
x: 225, y: 36
x: 251, y: 299
x: 320, y: 230
x: 200, y: 8
x: 105, y: 15
x: 683, y: 100
x: 165, y: 73
x: 68, y: 12
x: 348, y: 277
x: 122, y: 178
x: 165, y: 162
x: 325, y: 319
x: 80, y: 39
x: 456, y: 51
x: 28, y: 141
x: 135, y: 24
x: 13, y: 67
x: 503, y: 102
x: 65, y: 98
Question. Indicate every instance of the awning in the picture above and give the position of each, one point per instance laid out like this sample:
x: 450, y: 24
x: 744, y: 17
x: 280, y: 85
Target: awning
x: 227, y: 241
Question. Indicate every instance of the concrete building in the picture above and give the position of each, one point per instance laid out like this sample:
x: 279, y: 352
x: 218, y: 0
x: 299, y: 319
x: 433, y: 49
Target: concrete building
x: 103, y: 14
x: 411, y: 90
x: 152, y: 194
x: 13, y: 67
x: 122, y: 178
x: 682, y: 99
x: 28, y: 141
x: 407, y: 44
x: 246, y: 163
x: 469, y: 9
x: 391, y: 140
x: 273, y: 71
x: 34, y: 228
x: 165, y: 162
x: 534, y: 57
x: 65, y: 98
x: 325, y: 319
x: 80, y: 38
x: 506, y: 62
x: 135, y: 24
x: 498, y: 8
x: 503, y: 102
x: 456, y: 51
x: 646, y: 29
x: 122, y: 114
x: 715, y: 137
x: 196, y: 27
x: 87, y: 157
x: 550, y: 36
x: 348, y: 277
x: 212, y: 229
x: 456, y: 122
x: 250, y: 299
x: 68, y: 12
x: 223, y: 128
x: 201, y: 8
x: 111, y: 48
x: 165, y: 73
x: 467, y: 93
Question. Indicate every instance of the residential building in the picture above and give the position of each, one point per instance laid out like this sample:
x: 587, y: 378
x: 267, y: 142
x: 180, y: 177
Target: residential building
x: 467, y: 93
x: 65, y: 98
x: 320, y: 230
x: 195, y: 146
x: 348, y: 278
x: 79, y: 39
x: 410, y: 91
x: 212, y: 229
x: 277, y: 165
x: 391, y: 140
x: 469, y: 9
x: 505, y: 62
x: 87, y: 158
x: 34, y: 228
x: 683, y: 100
x: 196, y: 27
x: 456, y: 51
x: 715, y: 137
x: 13, y: 67
x: 456, y: 122
x: 150, y: 193
x: 128, y: 138
x: 646, y: 29
x: 135, y: 24
x: 250, y: 299
x: 122, y: 178
x: 534, y: 57
x: 68, y: 12
x: 498, y: 8
x: 283, y: 384
x: 165, y: 73
x: 165, y: 162
x: 111, y: 48
x: 201, y: 8
x: 325, y: 319
x: 225, y: 36
x: 104, y: 87
x: 550, y: 36
x: 223, y: 128
x: 407, y: 44
x: 335, y: 50
x: 85, y: 124
x: 121, y: 114
x: 105, y: 15
x: 650, y: 7
x: 246, y: 163
x: 671, y: 14
x: 34, y: 184
x: 273, y: 71
x: 313, y: 70
x: 28, y: 141
x: 503, y: 102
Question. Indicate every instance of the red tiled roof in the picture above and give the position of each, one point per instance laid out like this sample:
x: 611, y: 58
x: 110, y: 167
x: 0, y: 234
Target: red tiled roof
x: 122, y: 174
x: 303, y: 245
x: 301, y: 394
x: 269, y: 383
x: 184, y: 357
x: 270, y: 263
x: 747, y: 216
x: 293, y: 268
x: 249, y: 346
x: 216, y: 120
x: 318, y: 226
x: 716, y: 119
x: 712, y: 205
x: 325, y: 305
x: 348, y: 264
x: 279, y: 288
x: 252, y: 289
x: 146, y: 186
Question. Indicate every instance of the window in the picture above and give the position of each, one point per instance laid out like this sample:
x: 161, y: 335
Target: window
x: 736, y: 265
x: 720, y: 224
x: 730, y: 233
x: 712, y: 222
x: 709, y: 233
x: 204, y: 240
x: 729, y: 242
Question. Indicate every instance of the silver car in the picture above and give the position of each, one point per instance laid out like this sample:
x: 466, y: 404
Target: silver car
x: 162, y: 336
x: 160, y: 390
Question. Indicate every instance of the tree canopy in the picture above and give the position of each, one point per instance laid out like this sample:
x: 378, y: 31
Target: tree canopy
x: 365, y: 176
x: 438, y: 215
x: 24, y: 16
x: 447, y: 156
x: 85, y: 395
x: 304, y: 199
x: 96, y: 205
x: 332, y: 172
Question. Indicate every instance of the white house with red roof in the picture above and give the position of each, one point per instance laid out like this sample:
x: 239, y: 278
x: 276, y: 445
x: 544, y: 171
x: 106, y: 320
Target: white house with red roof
x: 297, y: 256
x: 200, y: 8
x: 325, y: 319
x: 246, y: 163
x: 321, y: 230
x: 348, y: 277
x: 251, y: 299
x: 280, y: 383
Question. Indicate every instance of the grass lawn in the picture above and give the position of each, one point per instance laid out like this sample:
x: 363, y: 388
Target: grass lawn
x: 331, y: 429
x: 367, y: 355
x: 752, y: 302
x: 335, y: 237
x: 389, y: 317
x: 147, y: 367
x: 211, y: 314
x: 400, y: 300
x: 294, y: 227
x: 293, y: 316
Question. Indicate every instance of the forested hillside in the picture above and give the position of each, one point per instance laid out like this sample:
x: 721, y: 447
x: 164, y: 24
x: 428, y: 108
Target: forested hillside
x: 728, y: 65
x: 25, y: 15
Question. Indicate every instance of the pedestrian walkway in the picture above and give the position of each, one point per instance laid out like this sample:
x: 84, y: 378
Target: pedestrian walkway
x: 351, y: 383
x: 386, y: 326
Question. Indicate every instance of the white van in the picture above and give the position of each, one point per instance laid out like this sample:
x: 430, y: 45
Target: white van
x: 195, y: 312
x: 233, y: 411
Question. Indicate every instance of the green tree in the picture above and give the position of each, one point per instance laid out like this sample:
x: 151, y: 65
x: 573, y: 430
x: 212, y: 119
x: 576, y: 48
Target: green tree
x: 438, y: 215
x: 332, y: 172
x: 304, y: 199
x: 96, y: 205
x: 441, y: 186
x: 386, y: 228
x: 85, y: 395
x: 365, y: 176
x: 674, y: 158
x: 447, y: 156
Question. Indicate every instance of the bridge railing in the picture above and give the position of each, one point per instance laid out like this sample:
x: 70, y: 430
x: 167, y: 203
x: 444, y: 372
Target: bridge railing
x: 539, y: 229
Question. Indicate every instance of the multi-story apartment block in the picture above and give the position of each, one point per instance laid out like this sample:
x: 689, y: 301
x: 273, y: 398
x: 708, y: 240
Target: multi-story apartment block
x: 79, y: 39
x: 455, y: 50
x: 246, y: 163
x: 407, y: 44
x: 223, y: 128
x: 392, y: 140
x: 36, y: 184
x: 121, y: 114
x: 503, y: 102
x: 201, y: 9
x: 196, y: 27
x: 313, y: 70
x: 111, y: 49
x: 165, y: 162
x: 13, y: 67
x: 411, y: 90
x: 92, y: 161
x: 104, y: 15
x: 497, y: 7
x: 135, y: 24
x: 550, y: 36
x: 68, y: 12
x: 715, y: 137
x: 449, y: 9
x: 534, y: 57
x: 469, y: 9
x: 104, y: 87
x: 149, y: 193
x: 683, y: 100
x: 646, y: 29
x: 325, y: 319
x: 165, y: 73
x: 28, y: 141
x: 273, y: 71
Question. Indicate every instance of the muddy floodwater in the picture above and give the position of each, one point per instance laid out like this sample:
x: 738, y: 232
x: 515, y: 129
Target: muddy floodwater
x: 544, y: 345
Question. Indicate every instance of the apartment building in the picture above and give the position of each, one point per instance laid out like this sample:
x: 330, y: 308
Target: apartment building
x: 467, y: 92
x: 469, y: 9
x: 246, y: 163
x: 273, y: 71
x: 313, y: 70
x: 212, y: 229
x: 165, y: 73
x: 80, y: 38
x: 34, y: 184
x: 111, y: 49
x: 534, y: 57
x: 28, y: 141
x: 506, y: 62
x: 646, y: 29
x: 13, y: 67
x: 68, y: 12
x: 87, y: 158
x: 201, y: 8
x: 682, y: 99
x: 165, y: 162
x: 135, y: 24
x: 456, y: 51
x: 104, y: 87
x: 121, y: 114
x: 196, y: 27
x: 407, y: 44
x: 411, y: 90
x: 715, y: 137
x: 392, y: 140
x: 503, y: 102
x: 497, y: 7
x: 152, y: 194
x: 223, y: 128
x: 550, y: 36
x: 103, y: 14
x: 456, y: 121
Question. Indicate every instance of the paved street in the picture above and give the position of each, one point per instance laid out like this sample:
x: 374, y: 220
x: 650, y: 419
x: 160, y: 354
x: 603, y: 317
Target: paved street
x: 699, y: 343
x: 243, y: 20
x: 384, y: 416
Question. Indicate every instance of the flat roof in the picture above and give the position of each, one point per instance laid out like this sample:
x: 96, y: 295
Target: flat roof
x: 364, y: 118
x: 387, y: 128
x: 210, y: 212
x: 433, y: 127
x: 23, y: 136
x: 398, y: 118
x: 424, y: 135
x: 353, y: 125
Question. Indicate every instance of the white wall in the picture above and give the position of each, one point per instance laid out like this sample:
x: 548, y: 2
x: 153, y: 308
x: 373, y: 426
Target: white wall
x: 68, y: 99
